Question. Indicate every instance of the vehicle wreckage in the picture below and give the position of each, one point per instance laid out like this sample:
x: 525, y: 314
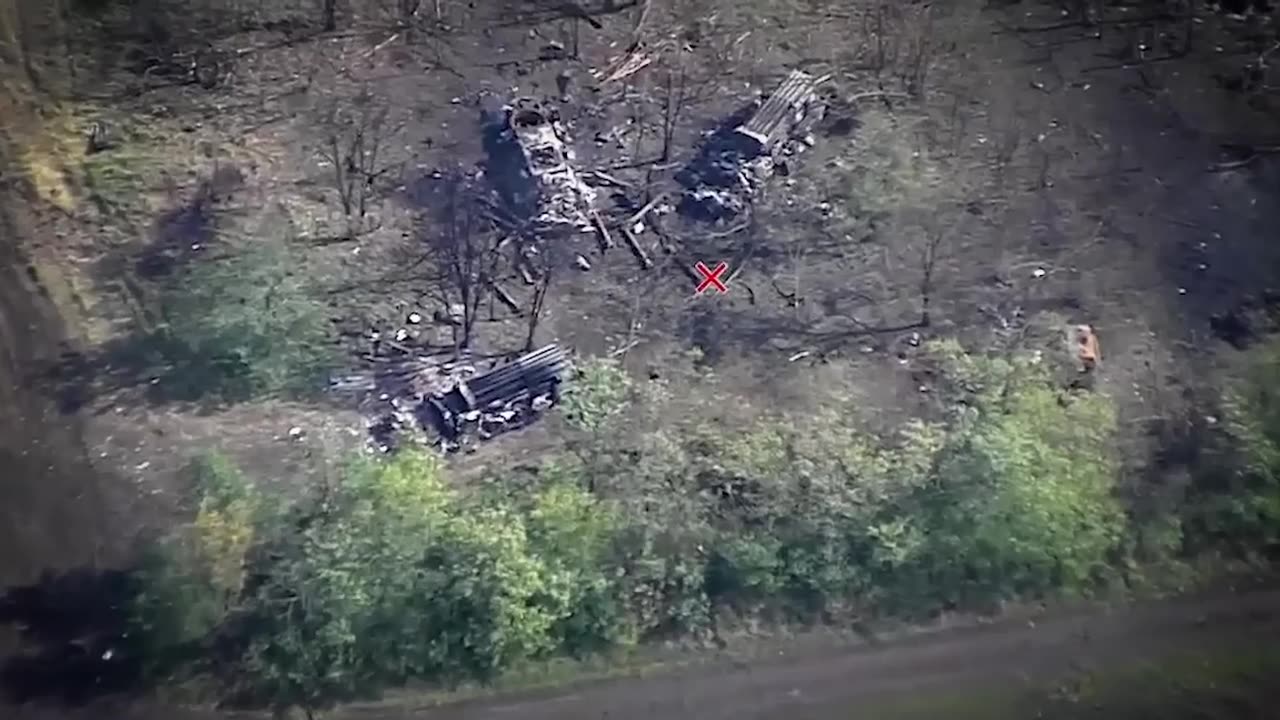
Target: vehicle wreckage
x: 738, y: 158
x: 532, y: 144
x: 450, y: 403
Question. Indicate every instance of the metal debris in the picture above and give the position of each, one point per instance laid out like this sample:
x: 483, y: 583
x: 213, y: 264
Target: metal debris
x: 734, y: 162
x: 446, y: 403
x: 565, y: 200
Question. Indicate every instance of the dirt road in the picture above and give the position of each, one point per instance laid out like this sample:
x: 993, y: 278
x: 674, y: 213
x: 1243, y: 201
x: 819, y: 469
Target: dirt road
x: 820, y: 679
x: 838, y: 681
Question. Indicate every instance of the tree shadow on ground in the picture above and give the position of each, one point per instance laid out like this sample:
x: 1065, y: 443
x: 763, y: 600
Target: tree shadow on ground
x: 74, y: 645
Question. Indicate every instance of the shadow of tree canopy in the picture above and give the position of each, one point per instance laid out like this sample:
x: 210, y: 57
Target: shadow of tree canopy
x: 73, y: 628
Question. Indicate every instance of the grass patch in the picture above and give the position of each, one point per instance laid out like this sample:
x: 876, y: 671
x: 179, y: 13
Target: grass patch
x: 53, y: 146
x: 1227, y: 682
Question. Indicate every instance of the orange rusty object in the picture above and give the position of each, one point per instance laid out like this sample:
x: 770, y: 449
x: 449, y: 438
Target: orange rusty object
x: 1087, y: 347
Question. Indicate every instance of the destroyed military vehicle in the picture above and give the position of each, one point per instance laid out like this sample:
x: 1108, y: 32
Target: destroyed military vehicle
x: 448, y: 404
x: 736, y: 159
x: 532, y: 163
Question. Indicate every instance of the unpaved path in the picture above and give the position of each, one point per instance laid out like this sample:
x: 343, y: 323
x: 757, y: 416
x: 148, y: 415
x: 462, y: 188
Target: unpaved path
x: 819, y: 679
x: 835, y: 682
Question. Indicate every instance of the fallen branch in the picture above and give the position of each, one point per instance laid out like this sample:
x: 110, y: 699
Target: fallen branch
x: 504, y: 298
x: 645, y: 210
x: 622, y: 350
x: 1233, y: 165
x: 731, y: 231
x: 636, y: 250
x: 381, y: 45
x: 602, y: 232
x: 609, y: 179
x: 876, y: 94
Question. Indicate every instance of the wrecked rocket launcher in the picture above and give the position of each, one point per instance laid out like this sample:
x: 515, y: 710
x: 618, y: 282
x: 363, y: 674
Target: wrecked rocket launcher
x: 530, y: 375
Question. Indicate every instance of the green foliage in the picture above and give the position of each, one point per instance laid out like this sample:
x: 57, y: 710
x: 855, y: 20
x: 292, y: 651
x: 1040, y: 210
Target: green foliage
x: 599, y: 392
x: 1024, y: 502
x: 1246, y: 510
x: 241, y: 326
x: 189, y: 584
x: 574, y: 533
x: 394, y: 576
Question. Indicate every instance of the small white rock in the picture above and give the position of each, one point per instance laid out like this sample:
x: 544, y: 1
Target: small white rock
x: 1038, y: 273
x: 414, y: 318
x: 295, y: 432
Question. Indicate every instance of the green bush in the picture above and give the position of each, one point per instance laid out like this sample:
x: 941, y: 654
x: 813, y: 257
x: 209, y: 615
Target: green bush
x: 1024, y: 500
x: 241, y: 326
x: 598, y: 393
x: 395, y: 576
x: 1244, y: 509
x: 190, y: 583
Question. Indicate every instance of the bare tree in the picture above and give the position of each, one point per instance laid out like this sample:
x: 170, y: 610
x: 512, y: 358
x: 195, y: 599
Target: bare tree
x: 465, y: 250
x: 674, y: 101
x: 356, y: 137
x: 540, y: 291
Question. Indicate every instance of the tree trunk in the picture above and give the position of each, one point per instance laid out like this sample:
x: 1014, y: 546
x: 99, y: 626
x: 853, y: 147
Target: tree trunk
x: 330, y: 15
x: 535, y: 309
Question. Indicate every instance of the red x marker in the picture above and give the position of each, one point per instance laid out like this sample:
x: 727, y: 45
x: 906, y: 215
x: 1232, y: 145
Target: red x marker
x: 710, y: 278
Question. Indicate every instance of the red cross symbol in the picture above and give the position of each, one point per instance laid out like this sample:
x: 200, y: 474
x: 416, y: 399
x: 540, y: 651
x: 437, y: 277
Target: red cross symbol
x: 710, y: 278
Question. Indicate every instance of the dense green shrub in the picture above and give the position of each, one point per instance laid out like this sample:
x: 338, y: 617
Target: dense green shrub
x: 191, y: 582
x: 1023, y: 499
x: 243, y: 325
x: 1242, y: 509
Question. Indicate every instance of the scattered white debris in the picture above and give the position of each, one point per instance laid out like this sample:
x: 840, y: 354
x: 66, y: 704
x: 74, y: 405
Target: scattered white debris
x: 1182, y: 291
x: 142, y: 465
x: 1039, y: 273
x: 914, y: 340
x: 108, y: 654
x: 295, y: 432
x: 1203, y: 267
x: 455, y: 101
x: 195, y: 246
x: 402, y: 335
x: 638, y: 228
x: 581, y: 262
x: 798, y: 356
x: 1212, y: 420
